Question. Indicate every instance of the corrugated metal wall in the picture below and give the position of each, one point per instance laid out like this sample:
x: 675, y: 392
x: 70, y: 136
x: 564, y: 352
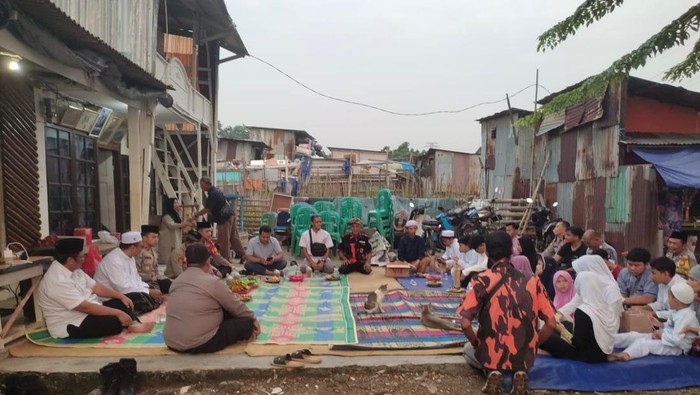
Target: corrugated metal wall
x: 128, y: 26
x: 282, y: 142
x: 20, y: 161
x: 567, y: 162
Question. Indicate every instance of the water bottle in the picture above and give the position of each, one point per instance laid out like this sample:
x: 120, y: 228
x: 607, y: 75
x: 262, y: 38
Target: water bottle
x: 228, y: 279
x: 336, y: 272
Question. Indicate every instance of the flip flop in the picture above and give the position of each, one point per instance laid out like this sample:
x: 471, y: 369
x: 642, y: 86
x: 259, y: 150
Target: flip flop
x: 455, y: 290
x: 285, y: 361
x: 305, y: 356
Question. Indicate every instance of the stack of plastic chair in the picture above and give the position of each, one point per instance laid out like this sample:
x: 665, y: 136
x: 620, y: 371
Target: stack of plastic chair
x: 331, y: 224
x: 269, y: 218
x: 350, y: 208
x: 301, y: 222
x: 382, y: 217
x: 324, y: 205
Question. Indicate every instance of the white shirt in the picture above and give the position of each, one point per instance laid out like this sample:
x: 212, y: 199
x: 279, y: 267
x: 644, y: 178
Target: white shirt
x: 481, y: 264
x: 467, y: 259
x: 118, y: 272
x: 451, y: 252
x: 60, y: 292
x: 660, y: 306
x: 679, y: 319
x: 319, y: 237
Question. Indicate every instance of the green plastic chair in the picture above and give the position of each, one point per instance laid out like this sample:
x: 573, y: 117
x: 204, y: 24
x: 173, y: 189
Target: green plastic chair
x: 324, y: 205
x: 382, y: 217
x: 349, y: 208
x: 331, y: 224
x: 302, y: 224
x: 269, y: 218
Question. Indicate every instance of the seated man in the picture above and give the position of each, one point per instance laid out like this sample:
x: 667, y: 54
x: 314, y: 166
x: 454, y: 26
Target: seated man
x: 177, y: 262
x: 467, y: 259
x: 680, y: 254
x: 203, y: 315
x: 615, y: 269
x: 263, y: 254
x: 354, y: 250
x: 451, y: 256
x: 118, y: 272
x: 68, y: 299
x: 512, y: 230
x: 663, y: 274
x: 634, y: 281
x: 221, y: 264
x: 559, y: 240
x: 147, y: 260
x: 412, y: 249
x: 315, y: 246
x: 572, y: 250
x: 594, y: 240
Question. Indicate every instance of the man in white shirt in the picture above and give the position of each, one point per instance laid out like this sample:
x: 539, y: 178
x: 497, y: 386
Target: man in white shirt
x: 68, y: 299
x: 311, y: 243
x: 451, y: 256
x: 118, y: 271
x: 663, y: 273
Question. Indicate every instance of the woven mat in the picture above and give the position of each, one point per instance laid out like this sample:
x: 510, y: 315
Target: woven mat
x: 399, y: 326
x: 363, y: 283
x: 314, y: 311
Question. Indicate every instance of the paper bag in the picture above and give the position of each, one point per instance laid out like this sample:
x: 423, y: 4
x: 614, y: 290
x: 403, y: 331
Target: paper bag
x: 635, y: 321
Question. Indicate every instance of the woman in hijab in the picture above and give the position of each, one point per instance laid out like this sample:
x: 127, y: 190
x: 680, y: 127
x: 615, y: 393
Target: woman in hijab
x: 595, y: 324
x: 564, y: 289
x: 694, y: 282
x: 521, y: 263
x: 609, y: 287
x: 170, y: 235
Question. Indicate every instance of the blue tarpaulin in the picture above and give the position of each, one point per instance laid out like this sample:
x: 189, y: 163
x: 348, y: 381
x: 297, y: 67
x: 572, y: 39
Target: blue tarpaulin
x: 677, y: 166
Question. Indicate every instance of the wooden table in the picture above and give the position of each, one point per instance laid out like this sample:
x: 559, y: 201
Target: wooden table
x: 16, y: 271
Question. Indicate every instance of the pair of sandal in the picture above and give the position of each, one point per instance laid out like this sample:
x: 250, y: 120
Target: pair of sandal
x: 295, y: 360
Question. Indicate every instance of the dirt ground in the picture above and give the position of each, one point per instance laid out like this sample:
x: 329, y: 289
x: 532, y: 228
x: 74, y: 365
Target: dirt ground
x: 380, y: 382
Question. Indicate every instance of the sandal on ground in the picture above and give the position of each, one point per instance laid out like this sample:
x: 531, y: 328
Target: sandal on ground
x: 305, y: 356
x: 285, y: 361
x: 455, y: 290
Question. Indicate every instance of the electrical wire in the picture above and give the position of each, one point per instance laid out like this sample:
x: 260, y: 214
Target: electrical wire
x: 408, y: 114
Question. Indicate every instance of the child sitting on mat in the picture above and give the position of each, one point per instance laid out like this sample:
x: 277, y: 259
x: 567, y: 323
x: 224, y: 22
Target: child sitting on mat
x: 675, y: 339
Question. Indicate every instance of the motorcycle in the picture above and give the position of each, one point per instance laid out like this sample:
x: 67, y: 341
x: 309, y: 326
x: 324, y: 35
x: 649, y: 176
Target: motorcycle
x: 544, y: 226
x: 476, y: 219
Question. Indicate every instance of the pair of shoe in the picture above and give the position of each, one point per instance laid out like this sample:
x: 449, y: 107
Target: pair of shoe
x: 494, y: 380
x: 295, y: 360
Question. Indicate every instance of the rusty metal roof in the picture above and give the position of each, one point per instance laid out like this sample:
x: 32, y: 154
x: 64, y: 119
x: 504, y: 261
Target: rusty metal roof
x: 660, y: 139
x: 516, y: 111
x: 654, y: 90
x: 584, y: 112
x: 54, y: 20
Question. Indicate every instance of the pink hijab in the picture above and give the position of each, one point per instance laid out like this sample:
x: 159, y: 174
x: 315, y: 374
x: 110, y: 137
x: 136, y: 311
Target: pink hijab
x: 521, y: 263
x: 562, y: 298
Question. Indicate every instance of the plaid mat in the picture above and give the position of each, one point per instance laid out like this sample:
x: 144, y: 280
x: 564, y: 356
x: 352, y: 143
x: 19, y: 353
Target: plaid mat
x: 399, y: 326
x: 122, y: 340
x: 314, y: 311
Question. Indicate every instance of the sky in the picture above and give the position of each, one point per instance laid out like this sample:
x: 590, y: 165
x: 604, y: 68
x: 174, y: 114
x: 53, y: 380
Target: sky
x: 418, y: 56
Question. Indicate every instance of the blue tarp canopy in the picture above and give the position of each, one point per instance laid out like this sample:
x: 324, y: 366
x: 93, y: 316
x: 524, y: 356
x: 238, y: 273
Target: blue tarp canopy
x: 679, y: 167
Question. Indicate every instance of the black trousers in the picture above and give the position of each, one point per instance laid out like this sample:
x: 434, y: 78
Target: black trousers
x: 101, y: 325
x: 353, y: 267
x: 143, y: 302
x: 584, y: 346
x: 230, y: 331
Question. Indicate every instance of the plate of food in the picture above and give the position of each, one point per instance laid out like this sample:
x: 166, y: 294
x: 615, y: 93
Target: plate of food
x: 296, y: 278
x: 434, y: 284
x: 330, y: 277
x: 272, y: 279
x: 245, y: 297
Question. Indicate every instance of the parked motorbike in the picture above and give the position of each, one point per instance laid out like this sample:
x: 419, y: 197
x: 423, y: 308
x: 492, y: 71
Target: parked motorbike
x: 544, y: 226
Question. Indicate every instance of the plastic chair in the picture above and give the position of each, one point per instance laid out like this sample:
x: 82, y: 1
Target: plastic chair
x: 269, y: 218
x: 324, y: 205
x: 382, y: 217
x: 302, y: 224
x: 331, y: 224
x: 349, y: 208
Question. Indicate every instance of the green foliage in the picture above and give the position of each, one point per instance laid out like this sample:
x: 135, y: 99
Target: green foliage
x: 235, y: 132
x: 675, y: 33
x: 403, y: 153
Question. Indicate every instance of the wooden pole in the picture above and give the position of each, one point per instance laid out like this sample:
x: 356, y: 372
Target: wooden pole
x: 528, y: 212
x: 18, y: 310
x: 350, y: 180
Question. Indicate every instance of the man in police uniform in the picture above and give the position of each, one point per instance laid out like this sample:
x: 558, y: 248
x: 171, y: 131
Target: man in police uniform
x: 147, y: 260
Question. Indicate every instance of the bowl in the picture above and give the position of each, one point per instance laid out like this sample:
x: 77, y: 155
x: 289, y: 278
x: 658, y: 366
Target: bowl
x: 296, y: 278
x: 434, y: 284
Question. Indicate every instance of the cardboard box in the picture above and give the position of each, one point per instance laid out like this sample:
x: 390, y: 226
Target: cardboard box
x: 635, y: 321
x: 398, y: 270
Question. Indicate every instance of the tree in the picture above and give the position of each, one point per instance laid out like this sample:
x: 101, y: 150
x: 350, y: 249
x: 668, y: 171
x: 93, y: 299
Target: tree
x: 403, y: 153
x: 675, y: 33
x: 236, y: 132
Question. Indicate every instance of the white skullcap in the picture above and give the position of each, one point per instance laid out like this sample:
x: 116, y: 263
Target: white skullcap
x: 448, y: 233
x: 411, y: 223
x: 683, y: 292
x: 131, y: 237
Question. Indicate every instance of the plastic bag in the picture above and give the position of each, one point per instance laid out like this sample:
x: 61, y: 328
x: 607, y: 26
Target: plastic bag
x: 119, y: 378
x: 92, y: 259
